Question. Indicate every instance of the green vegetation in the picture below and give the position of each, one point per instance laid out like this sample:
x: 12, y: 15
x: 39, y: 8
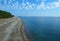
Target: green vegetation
x: 4, y: 14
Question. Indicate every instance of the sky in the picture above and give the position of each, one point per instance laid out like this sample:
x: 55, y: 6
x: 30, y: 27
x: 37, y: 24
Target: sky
x: 31, y: 7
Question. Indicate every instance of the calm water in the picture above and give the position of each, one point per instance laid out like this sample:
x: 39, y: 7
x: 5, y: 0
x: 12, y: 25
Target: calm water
x: 42, y: 28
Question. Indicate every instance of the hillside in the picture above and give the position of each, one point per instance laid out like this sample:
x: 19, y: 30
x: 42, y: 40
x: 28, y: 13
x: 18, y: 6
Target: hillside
x: 4, y: 14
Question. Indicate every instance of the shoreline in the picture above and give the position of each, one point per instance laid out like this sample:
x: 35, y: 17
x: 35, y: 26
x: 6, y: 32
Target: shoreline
x: 24, y: 38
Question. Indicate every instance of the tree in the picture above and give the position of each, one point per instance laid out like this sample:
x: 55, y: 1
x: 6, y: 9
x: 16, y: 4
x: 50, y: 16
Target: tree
x: 4, y: 14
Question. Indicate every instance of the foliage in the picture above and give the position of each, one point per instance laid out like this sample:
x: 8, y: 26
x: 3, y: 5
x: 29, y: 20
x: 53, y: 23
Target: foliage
x: 4, y: 14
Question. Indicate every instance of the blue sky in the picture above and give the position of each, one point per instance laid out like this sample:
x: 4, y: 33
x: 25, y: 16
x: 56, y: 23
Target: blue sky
x: 31, y: 7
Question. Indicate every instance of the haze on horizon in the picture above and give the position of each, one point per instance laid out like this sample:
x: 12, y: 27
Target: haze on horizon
x: 31, y: 7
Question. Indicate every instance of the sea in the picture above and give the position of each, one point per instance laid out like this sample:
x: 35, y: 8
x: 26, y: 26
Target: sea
x: 42, y: 28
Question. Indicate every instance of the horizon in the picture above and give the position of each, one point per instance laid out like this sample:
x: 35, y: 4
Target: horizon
x: 31, y: 7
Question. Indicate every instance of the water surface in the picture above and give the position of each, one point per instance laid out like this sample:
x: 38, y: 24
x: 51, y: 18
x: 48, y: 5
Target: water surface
x: 42, y: 28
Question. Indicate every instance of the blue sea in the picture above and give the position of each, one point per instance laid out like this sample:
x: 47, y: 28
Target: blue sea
x: 42, y: 28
